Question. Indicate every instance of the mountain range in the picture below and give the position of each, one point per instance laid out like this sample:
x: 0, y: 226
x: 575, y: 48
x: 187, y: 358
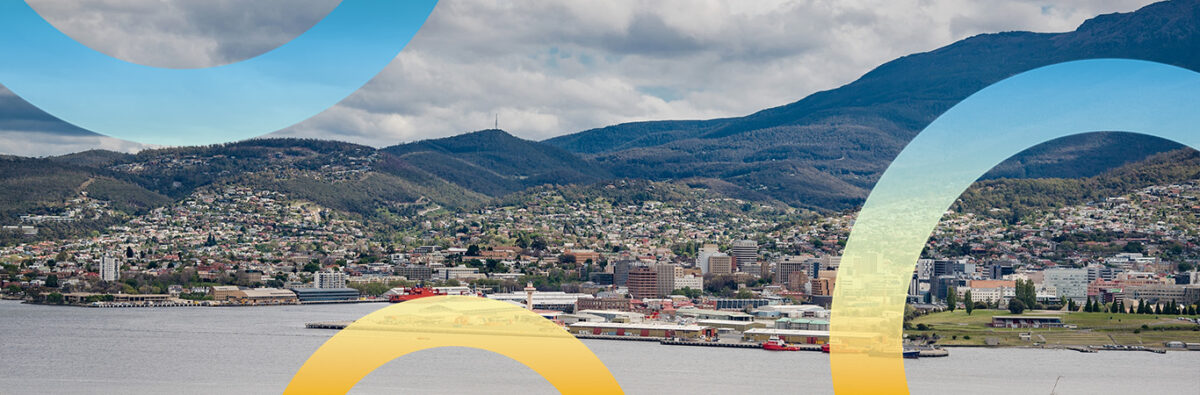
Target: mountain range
x: 822, y: 152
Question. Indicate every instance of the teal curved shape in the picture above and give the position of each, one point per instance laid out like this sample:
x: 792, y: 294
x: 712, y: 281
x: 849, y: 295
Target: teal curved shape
x: 231, y: 102
x: 974, y: 136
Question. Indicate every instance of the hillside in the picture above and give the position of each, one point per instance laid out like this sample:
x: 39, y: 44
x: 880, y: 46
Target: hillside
x: 829, y: 148
x: 495, y: 163
x: 1013, y: 199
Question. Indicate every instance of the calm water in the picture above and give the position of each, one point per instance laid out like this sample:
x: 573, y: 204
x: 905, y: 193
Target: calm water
x: 63, y: 350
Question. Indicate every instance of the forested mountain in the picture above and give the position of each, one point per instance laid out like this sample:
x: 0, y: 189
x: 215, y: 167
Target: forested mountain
x: 494, y: 163
x: 825, y: 151
x: 829, y: 148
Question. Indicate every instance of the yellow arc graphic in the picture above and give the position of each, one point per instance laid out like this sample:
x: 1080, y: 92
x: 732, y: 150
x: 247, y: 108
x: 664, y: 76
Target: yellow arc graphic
x: 453, y: 321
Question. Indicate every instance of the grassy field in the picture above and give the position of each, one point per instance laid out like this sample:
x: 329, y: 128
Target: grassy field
x: 958, y: 328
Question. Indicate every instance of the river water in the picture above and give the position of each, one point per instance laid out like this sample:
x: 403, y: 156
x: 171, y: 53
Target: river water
x: 256, y: 350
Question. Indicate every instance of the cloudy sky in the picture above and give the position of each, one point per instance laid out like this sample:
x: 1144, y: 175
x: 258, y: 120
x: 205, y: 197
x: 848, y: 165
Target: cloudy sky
x: 546, y: 67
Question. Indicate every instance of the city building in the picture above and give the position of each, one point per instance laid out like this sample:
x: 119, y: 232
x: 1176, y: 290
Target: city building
x: 689, y: 281
x: 415, y: 272
x: 643, y: 282
x: 1022, y: 321
x: 745, y: 254
x: 542, y: 300
x: 110, y: 269
x: 1068, y: 283
x: 720, y: 264
x: 665, y: 278
x: 329, y: 280
x: 661, y: 331
x: 708, y: 250
x: 309, y: 295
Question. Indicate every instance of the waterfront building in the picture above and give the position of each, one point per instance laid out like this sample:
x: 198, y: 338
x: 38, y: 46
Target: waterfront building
x: 615, y: 304
x: 329, y: 280
x: 326, y: 294
x: 542, y: 300
x: 795, y: 336
x: 1022, y: 321
x: 664, y: 331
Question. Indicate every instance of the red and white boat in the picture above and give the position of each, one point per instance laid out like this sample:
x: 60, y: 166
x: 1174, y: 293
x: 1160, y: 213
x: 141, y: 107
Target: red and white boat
x: 777, y: 344
x: 407, y: 294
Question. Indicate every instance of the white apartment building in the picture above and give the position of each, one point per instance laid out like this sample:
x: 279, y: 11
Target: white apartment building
x: 110, y: 269
x: 693, y: 282
x: 326, y: 280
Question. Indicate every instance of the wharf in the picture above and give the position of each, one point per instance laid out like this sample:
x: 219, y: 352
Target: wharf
x: 714, y: 344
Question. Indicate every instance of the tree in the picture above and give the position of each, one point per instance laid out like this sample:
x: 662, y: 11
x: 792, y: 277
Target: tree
x: 55, y: 298
x: 951, y: 298
x: 473, y: 250
x: 52, y: 281
x: 744, y: 294
x: 688, y: 292
x: 968, y: 303
x: 1016, y: 306
x: 1026, y: 292
x: 129, y: 252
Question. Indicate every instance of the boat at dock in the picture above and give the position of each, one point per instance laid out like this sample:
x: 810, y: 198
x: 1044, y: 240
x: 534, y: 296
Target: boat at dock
x: 777, y: 344
x: 407, y: 294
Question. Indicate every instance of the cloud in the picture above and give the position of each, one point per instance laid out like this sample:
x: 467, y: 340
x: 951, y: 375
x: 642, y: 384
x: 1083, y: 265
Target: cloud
x: 183, y: 33
x: 39, y: 144
x: 555, y: 67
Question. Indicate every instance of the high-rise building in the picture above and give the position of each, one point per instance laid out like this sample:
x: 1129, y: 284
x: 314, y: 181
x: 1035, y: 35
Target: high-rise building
x: 997, y: 270
x: 940, y: 286
x: 944, y: 267
x: 621, y: 272
x: 745, y: 253
x: 823, y: 286
x: 665, y: 279
x: 720, y: 264
x: 109, y: 269
x: 1067, y: 283
x: 643, y: 282
x: 705, y: 252
x: 326, y: 280
x: 784, y: 269
x: 797, y: 280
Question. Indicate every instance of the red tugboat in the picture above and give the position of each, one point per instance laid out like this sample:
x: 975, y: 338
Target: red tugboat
x: 408, y: 294
x: 777, y: 344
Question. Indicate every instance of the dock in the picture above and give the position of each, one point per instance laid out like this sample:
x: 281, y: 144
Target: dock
x: 615, y: 337
x: 670, y: 342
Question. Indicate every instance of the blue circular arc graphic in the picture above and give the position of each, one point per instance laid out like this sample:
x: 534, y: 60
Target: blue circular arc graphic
x: 937, y: 166
x: 225, y: 103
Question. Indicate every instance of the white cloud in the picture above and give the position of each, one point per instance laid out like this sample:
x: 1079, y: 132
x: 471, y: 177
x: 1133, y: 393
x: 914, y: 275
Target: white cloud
x: 38, y: 144
x: 555, y: 67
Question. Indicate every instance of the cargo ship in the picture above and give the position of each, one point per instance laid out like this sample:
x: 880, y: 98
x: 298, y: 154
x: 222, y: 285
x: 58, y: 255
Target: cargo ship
x: 408, y: 294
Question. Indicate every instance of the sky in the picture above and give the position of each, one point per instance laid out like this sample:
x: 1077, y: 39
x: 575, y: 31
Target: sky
x: 546, y: 68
